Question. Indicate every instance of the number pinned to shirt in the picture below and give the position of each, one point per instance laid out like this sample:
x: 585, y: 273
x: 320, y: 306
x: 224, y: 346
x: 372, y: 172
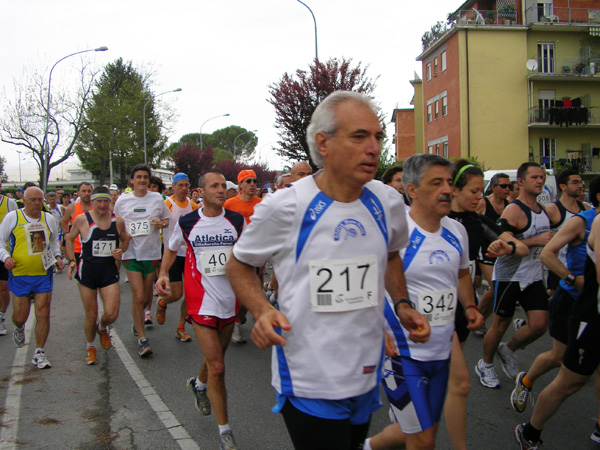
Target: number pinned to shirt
x: 213, y: 262
x: 438, y: 307
x: 139, y: 228
x: 103, y: 249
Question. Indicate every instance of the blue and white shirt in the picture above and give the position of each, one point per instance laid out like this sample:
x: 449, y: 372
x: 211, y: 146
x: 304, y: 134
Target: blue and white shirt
x: 431, y: 265
x: 319, y: 248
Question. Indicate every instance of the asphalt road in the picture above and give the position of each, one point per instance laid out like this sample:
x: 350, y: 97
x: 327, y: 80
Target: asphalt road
x: 126, y: 402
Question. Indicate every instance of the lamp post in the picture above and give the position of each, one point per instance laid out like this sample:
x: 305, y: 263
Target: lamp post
x: 315, y: 21
x: 241, y: 134
x: 208, y: 120
x: 19, y: 152
x: 144, y: 116
x: 45, y: 143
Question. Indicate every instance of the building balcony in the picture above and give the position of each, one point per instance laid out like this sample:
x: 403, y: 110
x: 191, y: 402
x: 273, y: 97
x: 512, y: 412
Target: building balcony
x: 567, y: 69
x: 485, y: 17
x: 583, y: 117
x: 559, y: 15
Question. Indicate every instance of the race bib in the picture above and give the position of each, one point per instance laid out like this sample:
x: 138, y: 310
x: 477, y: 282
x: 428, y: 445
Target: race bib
x: 48, y: 259
x: 438, y: 306
x: 213, y: 262
x: 536, y: 252
x: 102, y: 249
x: 338, y: 285
x: 139, y: 228
x: 37, y: 237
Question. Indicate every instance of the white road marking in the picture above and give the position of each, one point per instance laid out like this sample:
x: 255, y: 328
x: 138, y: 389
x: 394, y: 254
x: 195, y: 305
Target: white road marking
x: 178, y: 432
x: 12, y: 406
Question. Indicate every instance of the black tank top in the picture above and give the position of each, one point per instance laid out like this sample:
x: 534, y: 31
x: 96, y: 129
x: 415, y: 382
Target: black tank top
x: 99, y: 244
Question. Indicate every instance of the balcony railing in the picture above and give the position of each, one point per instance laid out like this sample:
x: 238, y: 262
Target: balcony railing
x: 485, y: 17
x: 569, y: 66
x: 565, y: 15
x: 565, y: 117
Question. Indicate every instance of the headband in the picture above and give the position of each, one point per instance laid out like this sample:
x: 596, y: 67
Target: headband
x: 460, y: 172
x: 100, y: 196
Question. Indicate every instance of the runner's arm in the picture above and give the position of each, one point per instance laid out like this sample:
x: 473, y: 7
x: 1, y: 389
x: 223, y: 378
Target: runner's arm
x: 248, y: 290
x: 66, y: 218
x: 466, y: 297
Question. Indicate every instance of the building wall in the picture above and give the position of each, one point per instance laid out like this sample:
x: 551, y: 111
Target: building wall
x: 418, y: 115
x: 405, y: 133
x: 494, y: 77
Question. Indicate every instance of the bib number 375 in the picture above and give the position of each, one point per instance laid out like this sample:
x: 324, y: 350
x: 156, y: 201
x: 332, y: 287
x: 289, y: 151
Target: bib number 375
x: 338, y: 285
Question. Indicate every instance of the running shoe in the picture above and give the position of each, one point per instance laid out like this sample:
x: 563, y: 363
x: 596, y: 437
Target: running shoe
x: 520, y: 394
x: 524, y: 443
x: 144, y: 348
x: 487, y: 375
x: 481, y: 332
x: 19, y: 336
x: 182, y: 335
x: 91, y: 356
x: 200, y: 397
x: 148, y: 318
x: 519, y: 323
x: 236, y: 336
x: 596, y: 434
x: 161, y: 311
x: 134, y: 330
x: 39, y: 360
x: 227, y: 442
x: 3, y: 327
x: 509, y: 362
x: 105, y: 340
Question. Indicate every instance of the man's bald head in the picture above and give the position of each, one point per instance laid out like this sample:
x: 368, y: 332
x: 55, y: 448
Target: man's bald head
x: 33, y: 191
x: 300, y: 170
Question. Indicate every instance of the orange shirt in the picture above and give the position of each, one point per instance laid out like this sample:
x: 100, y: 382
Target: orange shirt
x: 246, y: 209
x: 77, y: 212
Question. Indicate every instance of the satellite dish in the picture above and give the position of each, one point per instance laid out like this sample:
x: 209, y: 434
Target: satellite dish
x: 532, y: 64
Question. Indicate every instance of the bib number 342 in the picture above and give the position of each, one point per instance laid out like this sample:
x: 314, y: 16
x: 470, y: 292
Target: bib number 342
x: 438, y: 306
x: 338, y: 285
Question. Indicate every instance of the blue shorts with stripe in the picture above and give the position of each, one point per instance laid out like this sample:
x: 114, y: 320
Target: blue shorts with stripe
x: 416, y: 391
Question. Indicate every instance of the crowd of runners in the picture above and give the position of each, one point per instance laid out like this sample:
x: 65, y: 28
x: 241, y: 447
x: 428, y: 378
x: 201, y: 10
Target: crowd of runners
x: 371, y: 282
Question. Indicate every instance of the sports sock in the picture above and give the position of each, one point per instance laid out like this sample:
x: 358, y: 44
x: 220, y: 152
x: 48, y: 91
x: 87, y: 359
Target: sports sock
x: 90, y: 344
x: 527, y: 382
x: 200, y: 385
x: 224, y: 428
x: 367, y: 445
x: 530, y: 433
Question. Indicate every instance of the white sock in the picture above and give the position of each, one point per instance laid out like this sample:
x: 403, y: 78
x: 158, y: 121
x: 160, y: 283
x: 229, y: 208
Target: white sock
x: 90, y: 344
x: 200, y: 385
x: 39, y: 350
x: 366, y: 445
x: 1, y: 316
x: 224, y: 428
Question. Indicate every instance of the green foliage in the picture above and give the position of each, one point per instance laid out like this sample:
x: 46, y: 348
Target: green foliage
x: 222, y: 155
x: 3, y: 175
x: 222, y: 141
x: 115, y: 124
x: 473, y: 160
x: 437, y: 30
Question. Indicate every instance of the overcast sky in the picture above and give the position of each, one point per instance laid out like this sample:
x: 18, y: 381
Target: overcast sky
x: 222, y: 53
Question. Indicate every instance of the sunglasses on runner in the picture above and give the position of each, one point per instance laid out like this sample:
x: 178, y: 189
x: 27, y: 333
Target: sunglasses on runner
x: 251, y: 180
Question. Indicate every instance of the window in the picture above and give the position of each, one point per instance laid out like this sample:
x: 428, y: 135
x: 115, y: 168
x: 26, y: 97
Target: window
x: 430, y: 149
x: 545, y: 9
x: 428, y: 71
x: 437, y: 110
x: 545, y: 102
x: 429, y: 113
x: 443, y: 57
x: 444, y: 106
x: 446, y: 149
x: 437, y: 149
x: 547, y: 152
x: 435, y: 67
x: 546, y: 57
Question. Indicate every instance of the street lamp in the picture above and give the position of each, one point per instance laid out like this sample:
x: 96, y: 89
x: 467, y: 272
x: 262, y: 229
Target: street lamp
x: 45, y: 143
x: 315, y: 21
x: 222, y: 115
x: 241, y: 134
x: 19, y: 152
x: 144, y: 115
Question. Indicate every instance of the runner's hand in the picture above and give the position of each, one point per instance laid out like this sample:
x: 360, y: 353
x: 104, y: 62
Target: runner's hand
x: 10, y: 263
x: 117, y: 254
x: 163, y: 286
x: 391, y: 349
x: 264, y: 334
x: 415, y: 323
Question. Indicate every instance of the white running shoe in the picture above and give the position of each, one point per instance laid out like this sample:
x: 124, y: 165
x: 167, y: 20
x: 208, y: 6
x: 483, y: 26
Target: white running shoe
x: 509, y: 362
x: 487, y: 374
x: 3, y: 327
x: 39, y: 360
x: 236, y: 336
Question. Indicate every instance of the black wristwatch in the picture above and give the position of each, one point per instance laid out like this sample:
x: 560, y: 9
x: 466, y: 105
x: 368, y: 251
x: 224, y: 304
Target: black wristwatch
x: 570, y: 279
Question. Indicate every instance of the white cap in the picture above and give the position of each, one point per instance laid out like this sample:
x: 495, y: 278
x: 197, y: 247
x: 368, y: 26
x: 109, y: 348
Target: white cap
x: 113, y: 187
x: 230, y: 185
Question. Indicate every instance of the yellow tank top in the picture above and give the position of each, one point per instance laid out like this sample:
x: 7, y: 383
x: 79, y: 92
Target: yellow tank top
x: 28, y: 241
x: 3, y: 207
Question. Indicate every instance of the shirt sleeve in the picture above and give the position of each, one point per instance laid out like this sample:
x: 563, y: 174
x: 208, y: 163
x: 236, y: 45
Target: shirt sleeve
x: 464, y: 240
x: 54, y: 245
x: 268, y: 232
x: 12, y: 206
x: 176, y: 240
x: 397, y: 222
x: 7, y: 225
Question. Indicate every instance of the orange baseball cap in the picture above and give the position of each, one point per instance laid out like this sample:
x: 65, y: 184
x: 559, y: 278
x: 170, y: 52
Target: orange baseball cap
x: 245, y: 174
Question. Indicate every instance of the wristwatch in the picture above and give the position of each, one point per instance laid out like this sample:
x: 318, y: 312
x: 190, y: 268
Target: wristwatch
x: 570, y: 279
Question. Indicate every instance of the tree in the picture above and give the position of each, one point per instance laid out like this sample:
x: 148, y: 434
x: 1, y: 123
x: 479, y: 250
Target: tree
x: 224, y: 139
x: 114, y: 134
x: 24, y: 120
x: 230, y: 170
x: 193, y: 162
x: 296, y: 97
x: 3, y: 176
